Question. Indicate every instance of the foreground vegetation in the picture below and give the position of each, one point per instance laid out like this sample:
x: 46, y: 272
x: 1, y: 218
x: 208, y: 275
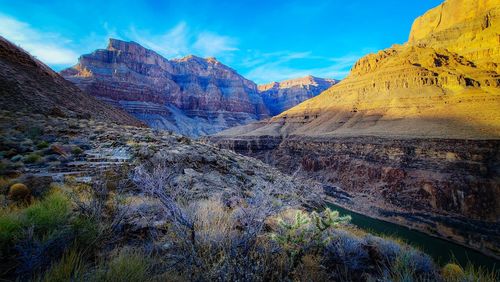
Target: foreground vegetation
x: 143, y: 231
x: 133, y: 204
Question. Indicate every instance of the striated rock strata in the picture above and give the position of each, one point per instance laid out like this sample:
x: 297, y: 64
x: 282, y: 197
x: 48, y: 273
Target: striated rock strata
x: 414, y: 128
x: 281, y: 96
x: 192, y: 95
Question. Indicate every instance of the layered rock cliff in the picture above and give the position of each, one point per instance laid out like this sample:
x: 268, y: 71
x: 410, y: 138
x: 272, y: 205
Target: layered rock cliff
x: 29, y: 86
x: 192, y: 95
x: 281, y: 96
x: 414, y: 128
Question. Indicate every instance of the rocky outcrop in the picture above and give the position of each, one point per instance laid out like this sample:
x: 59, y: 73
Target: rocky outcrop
x: 29, y: 86
x: 281, y: 96
x: 192, y: 95
x: 445, y: 178
x: 413, y: 128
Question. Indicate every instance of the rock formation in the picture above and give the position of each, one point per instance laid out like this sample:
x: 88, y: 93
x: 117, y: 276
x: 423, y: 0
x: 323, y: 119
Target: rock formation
x: 192, y: 95
x: 281, y: 96
x: 414, y: 128
x: 29, y: 86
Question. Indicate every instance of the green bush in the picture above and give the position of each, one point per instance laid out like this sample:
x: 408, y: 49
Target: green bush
x: 87, y: 231
x: 10, y: 226
x: 452, y: 272
x: 76, y: 150
x: 50, y: 213
x: 42, y: 145
x: 32, y: 158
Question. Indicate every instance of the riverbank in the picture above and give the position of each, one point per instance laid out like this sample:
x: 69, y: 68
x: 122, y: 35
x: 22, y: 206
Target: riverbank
x: 442, y: 250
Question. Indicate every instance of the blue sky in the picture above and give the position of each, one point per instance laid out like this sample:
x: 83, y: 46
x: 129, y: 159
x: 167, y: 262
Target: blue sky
x: 263, y: 40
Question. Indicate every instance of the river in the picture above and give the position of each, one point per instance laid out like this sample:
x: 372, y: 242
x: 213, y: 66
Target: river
x: 441, y: 250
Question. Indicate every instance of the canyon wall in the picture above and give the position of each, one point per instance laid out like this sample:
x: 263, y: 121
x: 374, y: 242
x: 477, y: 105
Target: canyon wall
x: 445, y: 187
x: 412, y: 134
x: 192, y: 95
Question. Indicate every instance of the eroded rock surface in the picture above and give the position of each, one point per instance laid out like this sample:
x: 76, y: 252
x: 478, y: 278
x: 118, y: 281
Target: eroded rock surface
x: 193, y: 96
x: 29, y: 86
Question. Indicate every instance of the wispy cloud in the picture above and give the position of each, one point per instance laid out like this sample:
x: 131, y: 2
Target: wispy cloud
x: 212, y: 44
x: 47, y: 46
x: 181, y: 40
x: 285, y: 65
x: 173, y: 43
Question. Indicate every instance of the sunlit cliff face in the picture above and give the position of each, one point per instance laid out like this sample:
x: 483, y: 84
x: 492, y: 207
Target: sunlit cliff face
x: 443, y: 83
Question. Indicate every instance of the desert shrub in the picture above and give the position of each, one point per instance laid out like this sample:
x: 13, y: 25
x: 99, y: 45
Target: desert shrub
x: 478, y: 274
x: 307, y: 231
x: 452, y: 272
x: 76, y: 150
x: 348, y: 252
x: 126, y: 265
x: 42, y: 145
x: 71, y: 267
x: 388, y: 248
x: 34, y: 237
x: 310, y: 269
x: 413, y: 265
x: 32, y: 158
x: 212, y: 222
x: 50, y: 213
x: 10, y: 226
x: 34, y: 252
x: 87, y: 231
x: 19, y: 192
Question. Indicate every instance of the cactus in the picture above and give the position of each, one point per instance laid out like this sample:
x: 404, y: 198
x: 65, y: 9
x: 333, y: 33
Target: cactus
x: 452, y: 272
x: 329, y: 219
x: 19, y: 192
x: 306, y: 231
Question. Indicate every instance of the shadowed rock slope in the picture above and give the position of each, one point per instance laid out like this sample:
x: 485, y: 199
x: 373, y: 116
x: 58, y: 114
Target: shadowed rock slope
x: 27, y: 85
x: 281, y: 96
x: 414, y: 128
x: 193, y: 96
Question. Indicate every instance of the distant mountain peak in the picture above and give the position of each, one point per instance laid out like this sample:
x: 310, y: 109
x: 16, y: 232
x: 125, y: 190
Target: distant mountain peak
x: 281, y: 96
x: 299, y: 82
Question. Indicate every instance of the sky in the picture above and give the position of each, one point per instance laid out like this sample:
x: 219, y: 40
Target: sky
x: 264, y: 41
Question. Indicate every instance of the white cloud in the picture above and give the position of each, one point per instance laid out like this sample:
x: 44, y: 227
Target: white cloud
x: 211, y: 44
x: 48, y: 47
x: 173, y: 43
x: 181, y: 41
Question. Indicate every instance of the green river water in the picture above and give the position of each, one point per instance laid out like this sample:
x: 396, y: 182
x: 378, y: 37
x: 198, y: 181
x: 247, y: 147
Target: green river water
x: 441, y: 250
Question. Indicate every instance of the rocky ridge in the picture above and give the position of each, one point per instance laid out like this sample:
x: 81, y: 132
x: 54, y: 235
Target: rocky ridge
x: 192, y: 95
x: 414, y: 127
x: 28, y: 85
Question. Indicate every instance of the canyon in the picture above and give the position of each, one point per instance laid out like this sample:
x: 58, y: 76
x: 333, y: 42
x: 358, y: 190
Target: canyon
x: 411, y: 135
x: 192, y: 96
